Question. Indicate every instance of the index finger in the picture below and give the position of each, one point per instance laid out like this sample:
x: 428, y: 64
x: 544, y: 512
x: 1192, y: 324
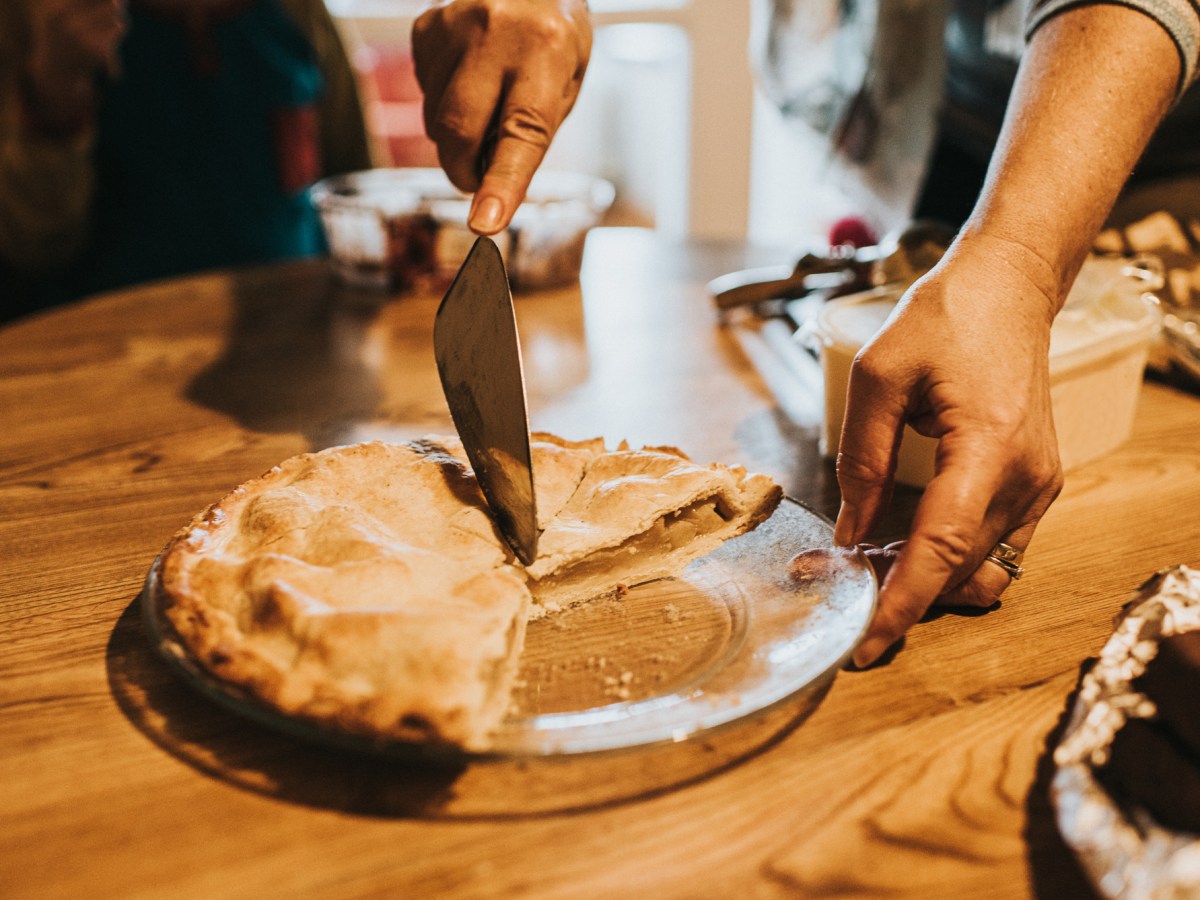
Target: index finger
x: 945, y: 533
x: 870, y: 440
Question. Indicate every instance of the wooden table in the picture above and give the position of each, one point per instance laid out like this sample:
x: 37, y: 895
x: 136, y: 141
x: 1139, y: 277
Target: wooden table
x: 124, y: 415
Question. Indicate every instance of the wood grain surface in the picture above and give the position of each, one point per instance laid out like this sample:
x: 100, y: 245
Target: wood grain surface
x: 124, y: 415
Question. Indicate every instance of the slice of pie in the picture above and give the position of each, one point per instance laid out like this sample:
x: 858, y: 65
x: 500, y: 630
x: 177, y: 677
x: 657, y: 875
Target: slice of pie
x: 365, y: 588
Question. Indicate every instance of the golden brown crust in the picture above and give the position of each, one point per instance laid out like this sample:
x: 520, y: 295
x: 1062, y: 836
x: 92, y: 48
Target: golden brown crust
x: 625, y: 492
x: 366, y: 588
x: 558, y: 467
x: 362, y: 587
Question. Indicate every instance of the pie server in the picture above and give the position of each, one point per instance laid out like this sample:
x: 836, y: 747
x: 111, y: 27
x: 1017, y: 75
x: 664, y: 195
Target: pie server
x: 479, y: 361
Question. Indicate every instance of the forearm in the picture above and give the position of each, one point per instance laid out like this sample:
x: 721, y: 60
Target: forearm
x: 1093, y: 85
x: 1179, y: 18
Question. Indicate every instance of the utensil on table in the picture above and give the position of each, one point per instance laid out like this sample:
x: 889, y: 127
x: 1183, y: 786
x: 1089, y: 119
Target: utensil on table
x: 479, y: 360
x: 902, y: 256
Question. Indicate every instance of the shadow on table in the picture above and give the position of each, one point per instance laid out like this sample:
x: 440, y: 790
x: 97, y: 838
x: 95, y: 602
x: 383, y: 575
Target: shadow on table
x: 242, y: 752
x: 1056, y: 873
x: 295, y: 365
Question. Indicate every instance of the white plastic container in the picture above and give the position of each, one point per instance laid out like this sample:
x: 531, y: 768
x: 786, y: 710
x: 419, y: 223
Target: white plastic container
x: 1098, y: 348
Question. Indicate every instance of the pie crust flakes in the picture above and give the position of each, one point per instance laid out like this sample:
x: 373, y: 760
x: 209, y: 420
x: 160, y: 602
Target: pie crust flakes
x: 366, y: 589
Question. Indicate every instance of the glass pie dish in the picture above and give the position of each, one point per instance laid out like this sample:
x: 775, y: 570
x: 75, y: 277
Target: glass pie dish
x: 762, y: 621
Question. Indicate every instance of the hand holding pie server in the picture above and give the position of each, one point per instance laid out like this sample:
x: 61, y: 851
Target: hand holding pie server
x: 499, y: 77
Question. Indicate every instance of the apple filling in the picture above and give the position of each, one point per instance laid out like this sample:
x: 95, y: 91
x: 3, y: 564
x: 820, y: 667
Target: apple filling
x: 662, y: 550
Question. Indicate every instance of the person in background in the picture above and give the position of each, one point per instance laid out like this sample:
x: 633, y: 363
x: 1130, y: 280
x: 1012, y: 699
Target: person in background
x: 141, y: 139
x: 965, y: 356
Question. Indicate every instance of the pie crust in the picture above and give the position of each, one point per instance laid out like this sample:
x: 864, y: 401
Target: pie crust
x: 365, y: 588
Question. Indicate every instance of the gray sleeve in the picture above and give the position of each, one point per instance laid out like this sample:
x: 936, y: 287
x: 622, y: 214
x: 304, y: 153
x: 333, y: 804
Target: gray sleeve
x: 1180, y: 18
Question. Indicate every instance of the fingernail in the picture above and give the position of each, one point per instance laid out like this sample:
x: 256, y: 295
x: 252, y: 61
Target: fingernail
x: 485, y: 217
x: 844, y: 532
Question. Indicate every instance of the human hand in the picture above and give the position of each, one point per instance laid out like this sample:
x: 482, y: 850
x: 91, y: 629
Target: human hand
x: 499, y: 77
x: 964, y: 359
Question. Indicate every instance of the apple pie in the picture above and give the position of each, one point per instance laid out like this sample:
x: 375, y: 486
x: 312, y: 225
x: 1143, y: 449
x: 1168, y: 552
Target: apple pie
x: 366, y: 589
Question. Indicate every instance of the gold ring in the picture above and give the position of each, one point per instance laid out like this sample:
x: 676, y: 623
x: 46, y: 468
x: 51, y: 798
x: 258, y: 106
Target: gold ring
x: 1008, y: 558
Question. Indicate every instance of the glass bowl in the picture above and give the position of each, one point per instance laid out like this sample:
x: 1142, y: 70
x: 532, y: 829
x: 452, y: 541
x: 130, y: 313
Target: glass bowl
x: 406, y: 227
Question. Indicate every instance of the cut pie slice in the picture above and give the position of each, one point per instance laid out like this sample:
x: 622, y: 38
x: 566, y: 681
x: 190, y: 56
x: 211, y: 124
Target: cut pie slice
x: 638, y: 515
x: 366, y: 589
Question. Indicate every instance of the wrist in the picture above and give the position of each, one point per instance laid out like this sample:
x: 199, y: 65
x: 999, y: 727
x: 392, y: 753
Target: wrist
x: 1045, y: 272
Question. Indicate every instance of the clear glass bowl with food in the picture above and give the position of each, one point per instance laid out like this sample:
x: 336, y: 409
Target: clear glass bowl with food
x: 404, y: 228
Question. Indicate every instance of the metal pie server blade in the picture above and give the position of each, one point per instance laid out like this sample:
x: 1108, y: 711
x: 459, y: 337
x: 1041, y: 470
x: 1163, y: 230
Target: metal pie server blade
x: 479, y: 361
